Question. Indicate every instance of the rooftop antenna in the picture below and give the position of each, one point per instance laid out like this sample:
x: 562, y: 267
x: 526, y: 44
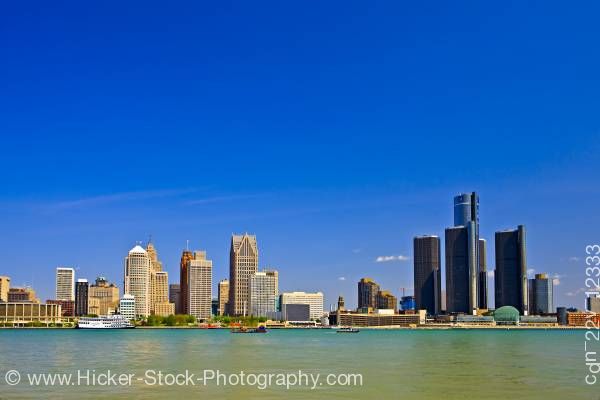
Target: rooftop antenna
x: 187, y: 245
x: 150, y: 239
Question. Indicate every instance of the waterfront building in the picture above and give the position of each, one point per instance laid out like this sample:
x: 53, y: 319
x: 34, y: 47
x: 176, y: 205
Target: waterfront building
x: 243, y: 263
x: 214, y: 307
x: 483, y: 280
x: 4, y: 286
x: 458, y: 282
x: 137, y: 279
x: 199, y: 282
x: 81, y: 297
x: 296, y: 312
x: 23, y: 313
x: 223, y: 295
x: 466, y: 215
x: 263, y: 289
x: 159, y: 285
x: 380, y: 318
x: 103, y: 297
x: 164, y: 309
x: 65, y: 283
x: 314, y: 300
x: 510, y: 276
x: 367, y: 293
x: 387, y: 301
x: 186, y: 256
x: 427, y: 274
x: 67, y: 307
x: 341, y: 304
x: 593, y: 304
x: 175, y: 297
x: 561, y: 314
x: 581, y: 318
x: 127, y: 306
x: 540, y: 292
x: 408, y: 303
x: 506, y: 315
x: 22, y: 295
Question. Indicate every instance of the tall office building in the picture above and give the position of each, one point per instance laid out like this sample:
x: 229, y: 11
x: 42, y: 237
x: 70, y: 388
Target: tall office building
x: 199, y: 281
x: 314, y: 300
x: 65, y: 284
x: 186, y: 256
x: 541, y: 293
x: 137, y: 279
x: 264, y: 289
x: 159, y: 285
x: 81, y: 297
x: 367, y: 293
x: 4, y: 287
x: 510, y: 276
x: 427, y: 274
x: 458, y: 299
x: 483, y: 290
x: 103, y: 297
x: 127, y: 306
x: 223, y: 296
x: 466, y: 215
x: 387, y: 301
x: 243, y: 263
x: 175, y: 297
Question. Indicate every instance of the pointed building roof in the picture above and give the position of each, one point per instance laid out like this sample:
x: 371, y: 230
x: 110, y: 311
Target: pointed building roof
x: 137, y: 250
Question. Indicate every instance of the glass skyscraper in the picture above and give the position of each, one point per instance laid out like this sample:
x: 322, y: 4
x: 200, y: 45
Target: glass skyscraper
x: 427, y: 274
x: 511, y: 270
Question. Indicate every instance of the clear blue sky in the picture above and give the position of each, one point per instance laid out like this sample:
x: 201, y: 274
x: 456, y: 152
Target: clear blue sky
x: 335, y: 132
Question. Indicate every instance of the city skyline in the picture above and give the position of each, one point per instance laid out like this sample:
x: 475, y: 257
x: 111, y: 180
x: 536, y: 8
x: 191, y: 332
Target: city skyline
x: 349, y: 141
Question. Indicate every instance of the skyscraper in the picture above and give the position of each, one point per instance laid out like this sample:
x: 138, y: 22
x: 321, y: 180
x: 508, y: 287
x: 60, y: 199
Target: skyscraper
x: 483, y: 290
x: 367, y: 293
x: 243, y: 263
x: 427, y: 274
x: 541, y: 293
x: 81, y: 297
x: 510, y: 276
x: 458, y: 299
x: 137, y: 279
x: 387, y: 301
x: 159, y: 285
x: 466, y: 217
x: 4, y: 287
x: 65, y: 284
x: 223, y: 295
x: 186, y: 256
x: 175, y: 297
x: 103, y: 297
x: 264, y: 289
x: 199, y: 281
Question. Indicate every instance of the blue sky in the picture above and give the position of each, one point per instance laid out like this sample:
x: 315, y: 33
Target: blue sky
x: 335, y: 132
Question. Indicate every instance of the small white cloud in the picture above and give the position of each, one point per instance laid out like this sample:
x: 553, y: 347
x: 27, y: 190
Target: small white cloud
x: 342, y: 278
x: 530, y: 271
x: 381, y: 259
x: 574, y: 259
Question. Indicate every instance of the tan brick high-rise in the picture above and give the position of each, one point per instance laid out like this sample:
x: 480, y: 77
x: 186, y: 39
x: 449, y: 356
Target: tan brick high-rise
x: 243, y: 263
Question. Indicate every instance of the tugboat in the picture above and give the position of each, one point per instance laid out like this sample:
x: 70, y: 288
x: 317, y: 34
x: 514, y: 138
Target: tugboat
x: 347, y: 329
x: 243, y: 329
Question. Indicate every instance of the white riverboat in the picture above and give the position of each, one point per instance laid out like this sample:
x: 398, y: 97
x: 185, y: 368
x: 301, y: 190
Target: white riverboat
x: 105, y: 322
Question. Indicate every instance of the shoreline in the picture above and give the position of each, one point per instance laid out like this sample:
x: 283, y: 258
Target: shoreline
x: 370, y: 328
